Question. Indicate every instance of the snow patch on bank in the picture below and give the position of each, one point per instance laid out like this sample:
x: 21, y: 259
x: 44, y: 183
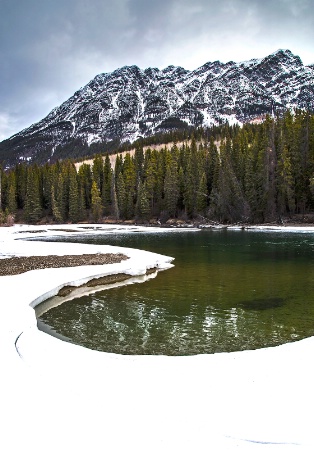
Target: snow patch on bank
x: 58, y: 395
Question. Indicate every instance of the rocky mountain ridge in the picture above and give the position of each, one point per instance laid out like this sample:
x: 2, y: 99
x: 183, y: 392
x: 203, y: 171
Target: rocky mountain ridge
x: 129, y: 103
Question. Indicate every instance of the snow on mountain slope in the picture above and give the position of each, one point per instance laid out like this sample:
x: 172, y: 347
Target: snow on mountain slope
x: 129, y: 102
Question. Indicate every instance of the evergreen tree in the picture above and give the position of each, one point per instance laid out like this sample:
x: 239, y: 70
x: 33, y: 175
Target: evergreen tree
x: 82, y: 213
x: 73, y: 196
x: 189, y: 188
x: 96, y: 206
x: 33, y: 207
x: 142, y: 204
x: 285, y: 194
x: 11, y: 197
x: 107, y: 187
x: 129, y: 178
x: 250, y: 187
x: 21, y: 181
x: 56, y: 214
x: 139, y: 162
x: 114, y: 200
x: 47, y: 179
x: 180, y: 202
x: 202, y: 195
x: 85, y: 182
x: 266, y: 175
x: 151, y: 177
x: 171, y: 189
x: 98, y: 172
x: 212, y: 166
x: 62, y: 194
x: 121, y: 197
x: 227, y: 201
x: 118, y: 166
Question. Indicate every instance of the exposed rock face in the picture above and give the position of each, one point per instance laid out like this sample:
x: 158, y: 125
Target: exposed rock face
x: 130, y: 102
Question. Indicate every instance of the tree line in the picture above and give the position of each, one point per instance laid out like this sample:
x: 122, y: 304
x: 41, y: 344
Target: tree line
x: 254, y: 174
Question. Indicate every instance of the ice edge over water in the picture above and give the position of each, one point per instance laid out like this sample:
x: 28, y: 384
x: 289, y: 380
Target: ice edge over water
x: 79, y: 398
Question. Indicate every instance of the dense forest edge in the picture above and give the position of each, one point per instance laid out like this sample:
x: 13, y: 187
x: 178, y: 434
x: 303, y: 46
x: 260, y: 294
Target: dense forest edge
x: 257, y: 173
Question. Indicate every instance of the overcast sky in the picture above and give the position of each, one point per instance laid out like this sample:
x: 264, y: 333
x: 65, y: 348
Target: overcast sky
x: 51, y: 48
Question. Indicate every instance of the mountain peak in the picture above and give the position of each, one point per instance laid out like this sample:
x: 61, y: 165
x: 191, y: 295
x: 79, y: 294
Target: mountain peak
x: 129, y: 103
x: 283, y: 52
x: 286, y: 55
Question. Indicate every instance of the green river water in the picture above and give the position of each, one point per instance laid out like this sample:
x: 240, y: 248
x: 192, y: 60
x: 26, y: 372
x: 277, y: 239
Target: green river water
x: 229, y: 291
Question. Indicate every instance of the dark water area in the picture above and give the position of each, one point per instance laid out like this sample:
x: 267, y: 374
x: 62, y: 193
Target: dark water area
x: 229, y: 291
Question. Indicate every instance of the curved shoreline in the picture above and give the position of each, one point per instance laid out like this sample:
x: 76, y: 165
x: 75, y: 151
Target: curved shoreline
x: 243, y: 400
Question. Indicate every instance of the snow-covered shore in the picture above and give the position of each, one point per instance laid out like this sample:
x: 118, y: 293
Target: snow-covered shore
x: 59, y: 395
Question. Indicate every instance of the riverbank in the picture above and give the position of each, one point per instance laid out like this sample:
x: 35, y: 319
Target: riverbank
x: 58, y: 395
x: 297, y: 220
x: 20, y: 264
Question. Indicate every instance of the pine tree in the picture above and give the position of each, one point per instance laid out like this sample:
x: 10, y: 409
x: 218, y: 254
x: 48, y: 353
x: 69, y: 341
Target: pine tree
x: 171, y: 189
x: 11, y: 196
x: 107, y: 187
x: 285, y: 193
x: 150, y: 176
x: 189, y: 189
x: 85, y: 182
x: 62, y: 194
x: 180, y: 202
x: 142, y: 204
x: 118, y: 166
x: 82, y: 213
x: 227, y: 201
x: 201, y: 195
x: 73, y: 196
x: 56, y: 214
x: 98, y: 171
x: 96, y: 206
x: 129, y: 178
x: 33, y: 208
x: 114, y: 200
x: 121, y: 196
x: 250, y: 187
x: 212, y: 166
x: 47, y: 178
x: 21, y: 181
x: 139, y: 162
x: 266, y: 168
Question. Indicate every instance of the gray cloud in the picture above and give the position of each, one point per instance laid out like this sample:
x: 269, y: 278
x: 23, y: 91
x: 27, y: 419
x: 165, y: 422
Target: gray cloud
x: 49, y: 49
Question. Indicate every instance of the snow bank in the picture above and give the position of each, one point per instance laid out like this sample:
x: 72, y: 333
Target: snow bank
x: 59, y: 395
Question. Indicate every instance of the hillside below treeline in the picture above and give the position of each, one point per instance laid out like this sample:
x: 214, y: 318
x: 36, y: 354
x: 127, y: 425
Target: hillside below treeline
x: 259, y: 173
x: 131, y: 103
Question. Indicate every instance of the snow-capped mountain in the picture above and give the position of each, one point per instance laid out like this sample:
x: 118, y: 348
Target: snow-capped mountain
x: 130, y: 102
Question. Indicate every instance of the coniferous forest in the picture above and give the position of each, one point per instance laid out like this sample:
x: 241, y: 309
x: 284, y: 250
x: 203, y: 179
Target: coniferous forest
x: 256, y: 173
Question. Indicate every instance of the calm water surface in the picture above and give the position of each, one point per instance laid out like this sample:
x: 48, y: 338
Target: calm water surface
x: 229, y: 291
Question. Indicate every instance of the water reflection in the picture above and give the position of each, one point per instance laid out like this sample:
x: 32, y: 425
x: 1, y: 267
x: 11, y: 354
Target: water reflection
x: 227, y: 292
x: 136, y: 327
x: 259, y: 304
